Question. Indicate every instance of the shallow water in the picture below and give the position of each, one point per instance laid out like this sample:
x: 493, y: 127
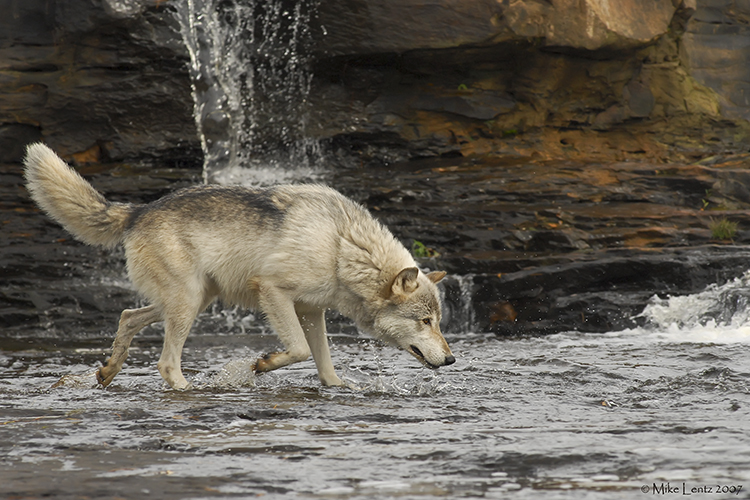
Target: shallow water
x: 575, y: 415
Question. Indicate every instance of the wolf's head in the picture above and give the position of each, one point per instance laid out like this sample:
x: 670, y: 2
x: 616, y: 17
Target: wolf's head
x: 410, y: 317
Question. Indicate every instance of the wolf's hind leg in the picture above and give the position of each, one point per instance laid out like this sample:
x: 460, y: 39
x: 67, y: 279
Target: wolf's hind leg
x: 132, y: 321
x: 179, y: 316
x: 279, y: 310
x: 313, y: 323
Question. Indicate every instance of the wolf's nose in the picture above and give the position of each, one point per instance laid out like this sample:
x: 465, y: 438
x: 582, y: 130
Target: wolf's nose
x: 449, y: 360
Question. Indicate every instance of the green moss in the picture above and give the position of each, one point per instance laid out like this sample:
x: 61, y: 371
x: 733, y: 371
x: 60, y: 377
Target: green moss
x: 420, y: 251
x: 723, y: 229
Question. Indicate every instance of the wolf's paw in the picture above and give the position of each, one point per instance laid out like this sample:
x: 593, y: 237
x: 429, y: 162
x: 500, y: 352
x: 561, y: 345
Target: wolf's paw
x: 352, y: 386
x: 265, y: 364
x: 105, y: 374
x: 332, y: 381
x: 182, y: 385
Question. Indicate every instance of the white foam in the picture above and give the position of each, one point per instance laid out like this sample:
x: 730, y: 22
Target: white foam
x: 719, y: 314
x: 235, y: 374
x: 78, y: 380
x: 263, y: 175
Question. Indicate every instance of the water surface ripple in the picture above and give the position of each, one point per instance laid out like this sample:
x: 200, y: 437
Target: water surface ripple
x: 575, y: 415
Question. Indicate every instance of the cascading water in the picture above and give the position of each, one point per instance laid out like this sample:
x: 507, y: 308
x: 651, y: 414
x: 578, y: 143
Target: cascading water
x: 250, y: 71
x: 720, y: 313
x: 458, y: 311
x: 249, y: 66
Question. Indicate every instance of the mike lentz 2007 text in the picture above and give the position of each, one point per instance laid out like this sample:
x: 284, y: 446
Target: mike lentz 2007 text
x: 686, y: 489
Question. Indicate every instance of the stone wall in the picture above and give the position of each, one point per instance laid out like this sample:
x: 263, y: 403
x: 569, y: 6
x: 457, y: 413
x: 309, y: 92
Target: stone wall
x: 361, y: 26
x: 657, y: 80
x: 100, y: 79
x: 535, y: 245
x: 633, y: 79
x: 715, y: 50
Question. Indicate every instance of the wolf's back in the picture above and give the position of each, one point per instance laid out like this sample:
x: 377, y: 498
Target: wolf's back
x: 69, y: 199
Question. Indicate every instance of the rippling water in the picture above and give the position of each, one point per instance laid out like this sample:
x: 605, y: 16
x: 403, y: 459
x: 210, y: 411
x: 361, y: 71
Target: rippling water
x: 575, y: 415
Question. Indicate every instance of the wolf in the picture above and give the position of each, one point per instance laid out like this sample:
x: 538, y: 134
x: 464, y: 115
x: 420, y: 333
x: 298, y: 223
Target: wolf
x: 289, y: 251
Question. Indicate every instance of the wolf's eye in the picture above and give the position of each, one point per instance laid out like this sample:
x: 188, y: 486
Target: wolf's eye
x: 427, y: 321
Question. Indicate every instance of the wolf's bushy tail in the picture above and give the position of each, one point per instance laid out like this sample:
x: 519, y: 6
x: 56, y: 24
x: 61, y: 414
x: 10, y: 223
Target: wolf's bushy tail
x: 71, y: 200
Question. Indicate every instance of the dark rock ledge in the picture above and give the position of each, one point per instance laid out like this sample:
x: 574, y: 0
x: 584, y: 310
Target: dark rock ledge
x: 531, y: 248
x: 566, y: 160
x: 551, y: 246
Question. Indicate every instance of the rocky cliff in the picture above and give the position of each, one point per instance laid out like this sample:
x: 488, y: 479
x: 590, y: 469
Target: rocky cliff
x: 97, y: 79
x: 567, y: 157
x: 636, y: 79
x: 658, y: 79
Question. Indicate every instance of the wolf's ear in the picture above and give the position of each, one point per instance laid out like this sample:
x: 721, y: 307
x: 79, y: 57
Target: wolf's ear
x: 436, y: 276
x: 405, y: 281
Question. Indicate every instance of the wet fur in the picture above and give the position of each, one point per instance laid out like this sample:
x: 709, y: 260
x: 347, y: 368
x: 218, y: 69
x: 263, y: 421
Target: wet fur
x: 290, y: 251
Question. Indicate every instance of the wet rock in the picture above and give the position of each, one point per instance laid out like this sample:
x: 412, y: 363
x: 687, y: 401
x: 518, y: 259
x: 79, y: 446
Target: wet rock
x: 531, y: 247
x: 479, y: 105
x: 359, y: 26
x: 598, y: 292
x: 564, y: 160
x: 716, y: 46
x: 81, y: 74
x: 539, y: 247
x: 660, y: 80
x: 54, y: 283
x: 643, y: 80
x: 13, y: 138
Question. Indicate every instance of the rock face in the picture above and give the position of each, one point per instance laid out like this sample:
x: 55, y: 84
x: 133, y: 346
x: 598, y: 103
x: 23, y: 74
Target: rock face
x: 591, y: 24
x: 106, y: 80
x: 359, y: 26
x: 564, y: 157
x: 566, y: 79
x: 715, y: 49
x: 548, y: 246
x: 633, y: 79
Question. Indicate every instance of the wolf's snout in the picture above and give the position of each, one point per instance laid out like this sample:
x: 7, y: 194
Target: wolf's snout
x: 414, y: 350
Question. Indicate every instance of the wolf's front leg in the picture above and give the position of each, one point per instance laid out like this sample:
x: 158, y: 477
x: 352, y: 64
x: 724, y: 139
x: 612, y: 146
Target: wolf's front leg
x: 313, y: 323
x: 176, y: 330
x: 279, y: 309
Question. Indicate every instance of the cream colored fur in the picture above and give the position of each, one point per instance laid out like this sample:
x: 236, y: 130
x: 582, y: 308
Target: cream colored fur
x: 290, y: 251
x: 71, y: 201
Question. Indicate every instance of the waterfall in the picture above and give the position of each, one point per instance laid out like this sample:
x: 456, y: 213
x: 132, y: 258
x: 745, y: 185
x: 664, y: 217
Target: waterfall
x: 251, y: 78
x: 458, y: 310
x: 250, y: 72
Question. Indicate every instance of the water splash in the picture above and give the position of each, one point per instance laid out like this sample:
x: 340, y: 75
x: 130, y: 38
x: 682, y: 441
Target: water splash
x: 718, y: 314
x: 423, y: 383
x: 235, y: 374
x: 86, y: 380
x: 220, y: 319
x: 250, y: 73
